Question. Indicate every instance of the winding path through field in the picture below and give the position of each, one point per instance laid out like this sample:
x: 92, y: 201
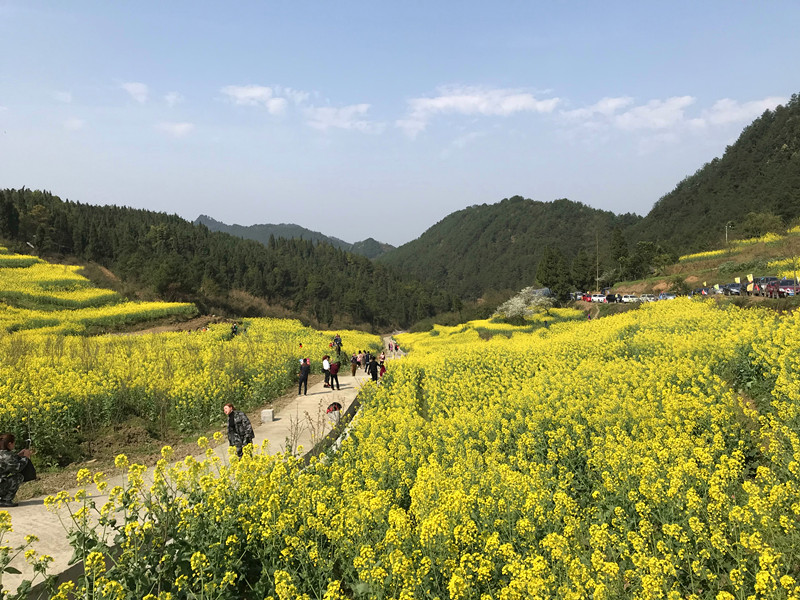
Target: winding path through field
x: 299, y: 422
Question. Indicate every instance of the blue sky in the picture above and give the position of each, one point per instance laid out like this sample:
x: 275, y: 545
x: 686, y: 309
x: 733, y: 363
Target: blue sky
x: 377, y: 119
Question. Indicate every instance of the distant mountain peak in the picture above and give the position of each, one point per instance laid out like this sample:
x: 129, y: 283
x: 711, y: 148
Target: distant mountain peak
x: 370, y: 247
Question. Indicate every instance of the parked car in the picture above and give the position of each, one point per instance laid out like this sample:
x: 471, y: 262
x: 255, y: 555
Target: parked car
x: 760, y: 284
x: 788, y: 287
x: 647, y: 298
x: 598, y: 298
x: 781, y: 289
x: 667, y: 296
x: 629, y: 298
x: 732, y: 289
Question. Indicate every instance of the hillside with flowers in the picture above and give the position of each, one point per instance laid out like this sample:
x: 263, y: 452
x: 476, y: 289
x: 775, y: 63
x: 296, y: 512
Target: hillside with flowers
x: 652, y: 454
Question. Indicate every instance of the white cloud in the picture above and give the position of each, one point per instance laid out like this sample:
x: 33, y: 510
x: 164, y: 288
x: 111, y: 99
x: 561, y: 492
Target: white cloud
x: 605, y: 108
x: 176, y: 130
x: 663, y: 122
x: 173, y: 98
x: 65, y: 97
x: 74, y: 124
x: 346, y: 117
x: 730, y: 111
x: 248, y: 95
x: 656, y: 114
x: 464, y: 140
x: 138, y: 91
x: 471, y: 101
x: 296, y: 96
x: 260, y: 95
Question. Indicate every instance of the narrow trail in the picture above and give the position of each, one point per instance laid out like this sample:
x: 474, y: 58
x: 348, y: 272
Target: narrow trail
x: 299, y: 421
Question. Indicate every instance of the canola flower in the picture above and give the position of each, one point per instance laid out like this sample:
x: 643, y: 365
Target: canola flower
x: 701, y: 255
x: 55, y: 385
x: 56, y: 299
x: 767, y: 238
x: 738, y: 245
x: 652, y: 454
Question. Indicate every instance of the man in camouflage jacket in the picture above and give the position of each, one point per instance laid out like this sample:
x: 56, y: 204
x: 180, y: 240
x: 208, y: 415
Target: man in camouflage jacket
x: 11, y: 467
x: 240, y: 431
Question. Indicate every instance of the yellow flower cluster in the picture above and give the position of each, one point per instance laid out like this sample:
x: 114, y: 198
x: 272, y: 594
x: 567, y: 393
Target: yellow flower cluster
x: 786, y: 267
x: 701, y: 255
x: 57, y: 299
x: 654, y: 454
x: 767, y: 238
x: 56, y: 387
x: 15, y: 260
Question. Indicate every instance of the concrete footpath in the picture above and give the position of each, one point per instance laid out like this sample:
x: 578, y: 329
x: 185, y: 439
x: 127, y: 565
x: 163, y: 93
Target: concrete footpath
x: 302, y: 422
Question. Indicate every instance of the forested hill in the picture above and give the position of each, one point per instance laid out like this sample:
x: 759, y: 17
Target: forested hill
x: 499, y: 246
x: 261, y: 233
x: 177, y: 260
x: 760, y: 173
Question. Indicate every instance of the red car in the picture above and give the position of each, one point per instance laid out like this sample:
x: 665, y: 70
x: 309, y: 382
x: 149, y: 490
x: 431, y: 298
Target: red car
x: 760, y: 285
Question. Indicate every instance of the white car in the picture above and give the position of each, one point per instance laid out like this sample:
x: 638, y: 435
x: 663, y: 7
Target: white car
x: 598, y: 298
x: 647, y: 298
x: 629, y: 298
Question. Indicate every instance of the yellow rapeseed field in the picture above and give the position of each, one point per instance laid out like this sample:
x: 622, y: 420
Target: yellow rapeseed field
x: 653, y: 454
x: 58, y: 388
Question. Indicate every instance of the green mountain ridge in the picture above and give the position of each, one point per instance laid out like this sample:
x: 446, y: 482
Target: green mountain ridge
x: 473, y: 252
x: 169, y: 257
x: 759, y: 173
x: 500, y: 246
x: 369, y: 248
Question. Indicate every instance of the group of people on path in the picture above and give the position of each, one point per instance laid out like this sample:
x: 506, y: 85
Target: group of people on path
x: 16, y: 467
x: 374, y: 365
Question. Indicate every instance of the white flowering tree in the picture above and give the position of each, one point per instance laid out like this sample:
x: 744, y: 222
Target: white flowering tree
x: 525, y: 304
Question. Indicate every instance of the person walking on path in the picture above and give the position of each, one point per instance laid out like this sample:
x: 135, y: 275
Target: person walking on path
x: 335, y: 375
x: 326, y: 369
x: 11, y: 467
x: 240, y: 431
x: 372, y: 368
x: 302, y: 384
x: 353, y: 364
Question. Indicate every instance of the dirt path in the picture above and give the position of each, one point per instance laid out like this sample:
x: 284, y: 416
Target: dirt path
x: 190, y: 325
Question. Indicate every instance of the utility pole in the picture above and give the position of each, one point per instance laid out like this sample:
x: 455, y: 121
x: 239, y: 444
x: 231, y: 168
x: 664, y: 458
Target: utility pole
x: 729, y: 224
x: 597, y: 262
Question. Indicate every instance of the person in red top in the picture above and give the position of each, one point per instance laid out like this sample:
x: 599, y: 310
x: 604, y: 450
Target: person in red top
x: 335, y: 375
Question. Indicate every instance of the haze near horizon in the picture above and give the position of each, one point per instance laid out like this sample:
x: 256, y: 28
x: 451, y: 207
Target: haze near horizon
x: 361, y: 120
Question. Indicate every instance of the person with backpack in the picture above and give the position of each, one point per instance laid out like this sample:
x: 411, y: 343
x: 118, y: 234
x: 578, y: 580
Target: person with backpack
x: 334, y: 369
x: 240, y: 431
